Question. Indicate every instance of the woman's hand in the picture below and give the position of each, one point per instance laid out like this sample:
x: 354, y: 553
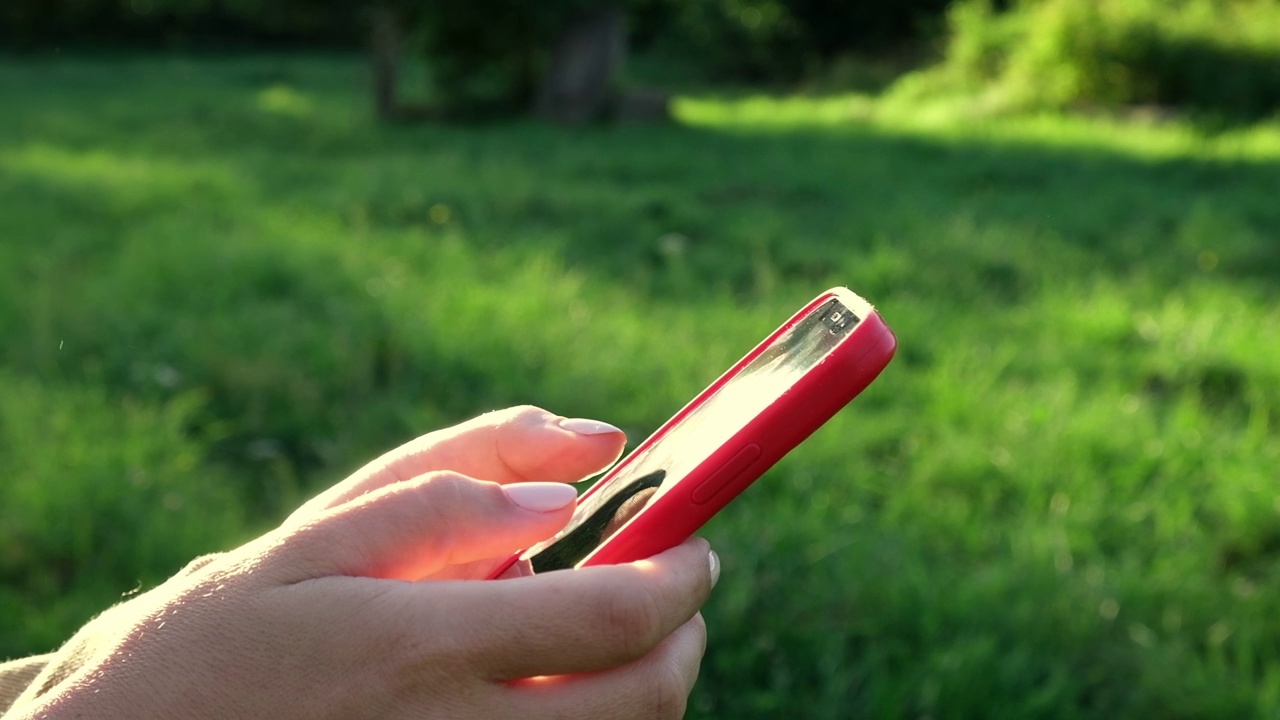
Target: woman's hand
x: 364, y: 603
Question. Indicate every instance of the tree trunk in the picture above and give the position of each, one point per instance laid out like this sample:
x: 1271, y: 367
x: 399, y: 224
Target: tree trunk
x: 386, y: 62
x: 578, y: 86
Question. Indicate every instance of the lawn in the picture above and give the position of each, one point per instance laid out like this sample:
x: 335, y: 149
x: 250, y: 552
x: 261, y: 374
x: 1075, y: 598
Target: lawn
x: 223, y: 286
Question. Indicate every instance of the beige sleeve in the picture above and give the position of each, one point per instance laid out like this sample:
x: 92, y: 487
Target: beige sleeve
x: 16, y: 675
x: 32, y: 677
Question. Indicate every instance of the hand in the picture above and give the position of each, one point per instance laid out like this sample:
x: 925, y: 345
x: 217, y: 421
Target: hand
x: 364, y: 603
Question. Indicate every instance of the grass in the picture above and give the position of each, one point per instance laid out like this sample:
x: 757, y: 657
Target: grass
x: 222, y: 287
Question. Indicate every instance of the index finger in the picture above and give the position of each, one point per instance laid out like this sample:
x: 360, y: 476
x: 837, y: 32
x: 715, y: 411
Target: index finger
x: 514, y: 445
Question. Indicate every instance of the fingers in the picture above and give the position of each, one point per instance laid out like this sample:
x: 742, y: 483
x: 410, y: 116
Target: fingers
x: 575, y: 621
x: 573, y: 643
x: 513, y: 445
x: 412, y: 529
x: 655, y: 686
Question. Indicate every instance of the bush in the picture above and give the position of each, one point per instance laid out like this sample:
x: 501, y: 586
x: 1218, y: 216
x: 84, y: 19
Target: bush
x: 783, y: 40
x: 489, y: 56
x: 753, y: 40
x: 488, y: 51
x: 1207, y: 55
x: 63, y: 24
x: 837, y: 27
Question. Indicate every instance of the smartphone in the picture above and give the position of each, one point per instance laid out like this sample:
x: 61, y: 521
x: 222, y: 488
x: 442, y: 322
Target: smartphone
x: 795, y: 380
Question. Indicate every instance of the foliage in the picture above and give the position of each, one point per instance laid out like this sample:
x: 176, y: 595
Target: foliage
x: 489, y: 55
x: 782, y: 40
x: 754, y: 40
x: 486, y: 52
x: 836, y: 27
x: 1058, y: 502
x: 1219, y: 56
x: 62, y: 24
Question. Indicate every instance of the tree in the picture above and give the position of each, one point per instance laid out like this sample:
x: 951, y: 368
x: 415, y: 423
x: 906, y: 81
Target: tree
x: 557, y: 58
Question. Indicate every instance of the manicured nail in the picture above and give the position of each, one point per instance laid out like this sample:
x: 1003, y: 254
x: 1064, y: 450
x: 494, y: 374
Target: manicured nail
x: 583, y: 426
x: 540, y: 496
x: 715, y: 568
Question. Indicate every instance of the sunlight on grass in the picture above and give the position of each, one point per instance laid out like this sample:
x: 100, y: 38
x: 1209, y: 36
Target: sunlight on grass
x: 284, y: 100
x: 123, y: 175
x: 963, y: 121
x: 775, y: 111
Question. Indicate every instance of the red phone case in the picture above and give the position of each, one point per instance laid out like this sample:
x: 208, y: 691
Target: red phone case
x: 678, y: 512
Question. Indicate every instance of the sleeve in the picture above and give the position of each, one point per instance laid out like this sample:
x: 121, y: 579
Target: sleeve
x: 16, y: 675
x: 30, y: 678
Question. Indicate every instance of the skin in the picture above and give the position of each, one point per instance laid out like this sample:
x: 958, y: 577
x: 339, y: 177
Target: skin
x: 365, y: 604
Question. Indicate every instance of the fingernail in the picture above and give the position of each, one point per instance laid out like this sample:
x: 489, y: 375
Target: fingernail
x: 540, y: 496
x: 715, y: 568
x: 583, y: 426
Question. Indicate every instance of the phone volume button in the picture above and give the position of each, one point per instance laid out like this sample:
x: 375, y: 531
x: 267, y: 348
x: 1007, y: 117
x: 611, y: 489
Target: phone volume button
x: 727, y: 473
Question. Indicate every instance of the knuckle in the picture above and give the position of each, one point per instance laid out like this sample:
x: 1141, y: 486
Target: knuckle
x: 442, y: 495
x: 699, y: 628
x: 301, y: 548
x: 668, y: 694
x: 520, y: 414
x: 407, y: 657
x: 633, y: 620
x: 443, y: 487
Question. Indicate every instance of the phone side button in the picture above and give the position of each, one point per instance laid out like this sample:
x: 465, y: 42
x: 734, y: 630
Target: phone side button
x: 727, y: 473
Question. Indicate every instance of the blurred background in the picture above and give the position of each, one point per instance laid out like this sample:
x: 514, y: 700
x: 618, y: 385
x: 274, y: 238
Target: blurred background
x: 246, y: 246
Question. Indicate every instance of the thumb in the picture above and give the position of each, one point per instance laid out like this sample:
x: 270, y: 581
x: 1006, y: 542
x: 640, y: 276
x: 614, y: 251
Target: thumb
x: 416, y: 528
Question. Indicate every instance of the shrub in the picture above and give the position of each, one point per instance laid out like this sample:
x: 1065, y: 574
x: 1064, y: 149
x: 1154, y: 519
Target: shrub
x: 65, y: 24
x: 1207, y: 55
x: 487, y: 51
x: 750, y: 40
x: 489, y: 54
x: 783, y: 40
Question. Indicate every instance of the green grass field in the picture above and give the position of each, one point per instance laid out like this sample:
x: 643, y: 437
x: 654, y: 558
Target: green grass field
x: 223, y: 286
